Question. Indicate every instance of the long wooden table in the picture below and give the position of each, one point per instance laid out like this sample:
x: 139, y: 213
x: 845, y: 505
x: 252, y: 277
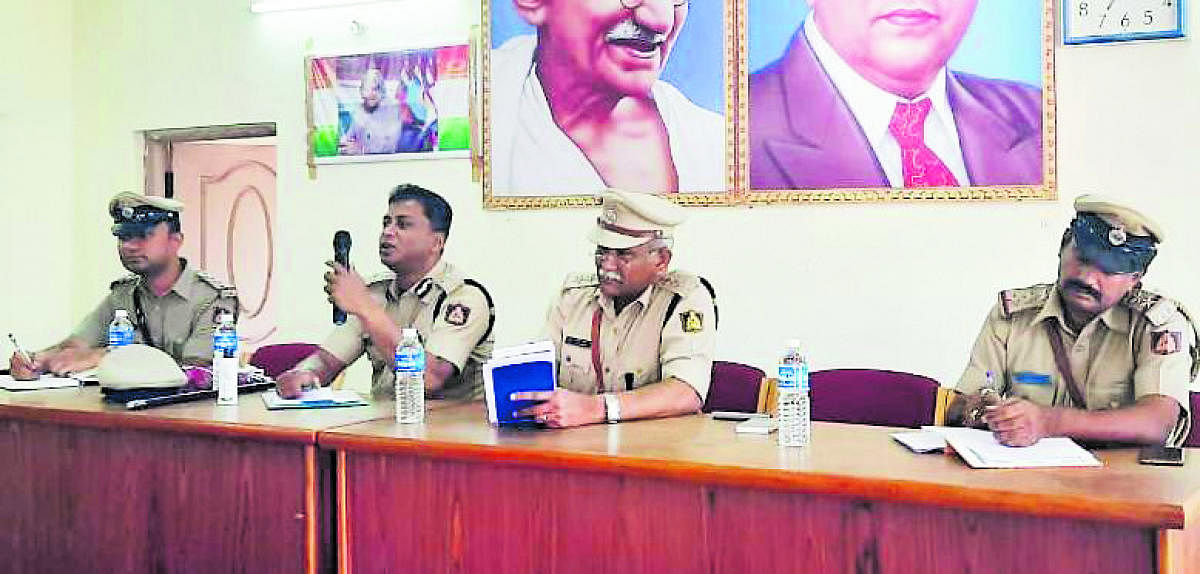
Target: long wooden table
x: 690, y: 495
x: 90, y: 487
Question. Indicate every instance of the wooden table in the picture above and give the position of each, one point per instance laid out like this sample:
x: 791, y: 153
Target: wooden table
x: 690, y: 495
x: 90, y: 487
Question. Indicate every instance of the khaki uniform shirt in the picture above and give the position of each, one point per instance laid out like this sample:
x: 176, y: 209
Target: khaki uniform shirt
x: 1118, y: 358
x: 451, y: 316
x: 180, y: 323
x: 641, y: 341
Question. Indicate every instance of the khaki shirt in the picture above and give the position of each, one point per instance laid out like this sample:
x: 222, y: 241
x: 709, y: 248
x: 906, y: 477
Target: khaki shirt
x: 1119, y: 357
x: 450, y: 315
x: 180, y: 323
x: 641, y: 340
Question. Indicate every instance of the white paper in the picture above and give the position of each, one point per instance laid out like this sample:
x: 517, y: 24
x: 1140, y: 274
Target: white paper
x: 43, y: 382
x: 921, y: 441
x: 980, y: 449
x: 315, y: 398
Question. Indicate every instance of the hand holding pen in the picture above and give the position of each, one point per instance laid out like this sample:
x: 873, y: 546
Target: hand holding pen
x: 22, y: 365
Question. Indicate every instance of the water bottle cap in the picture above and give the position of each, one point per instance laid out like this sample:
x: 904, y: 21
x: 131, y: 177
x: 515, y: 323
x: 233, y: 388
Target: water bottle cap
x: 119, y: 313
x: 408, y: 332
x: 792, y: 344
x: 225, y: 318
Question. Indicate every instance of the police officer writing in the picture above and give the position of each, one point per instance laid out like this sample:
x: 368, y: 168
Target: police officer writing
x: 452, y: 314
x: 634, y: 340
x: 1094, y: 356
x: 173, y: 307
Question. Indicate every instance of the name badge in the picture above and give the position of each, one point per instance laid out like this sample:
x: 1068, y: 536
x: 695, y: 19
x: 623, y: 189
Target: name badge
x: 1027, y: 378
x: 576, y: 342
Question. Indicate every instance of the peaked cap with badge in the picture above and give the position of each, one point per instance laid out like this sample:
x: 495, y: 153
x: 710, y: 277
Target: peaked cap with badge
x: 628, y: 219
x: 1115, y: 237
x: 135, y: 214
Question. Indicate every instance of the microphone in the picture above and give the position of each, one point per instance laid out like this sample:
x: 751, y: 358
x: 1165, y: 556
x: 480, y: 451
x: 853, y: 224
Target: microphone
x: 341, y: 254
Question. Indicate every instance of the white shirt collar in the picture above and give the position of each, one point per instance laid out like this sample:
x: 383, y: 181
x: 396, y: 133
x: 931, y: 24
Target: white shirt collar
x: 871, y: 105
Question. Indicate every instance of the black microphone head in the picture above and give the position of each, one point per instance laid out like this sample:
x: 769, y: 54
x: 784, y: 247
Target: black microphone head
x: 341, y: 241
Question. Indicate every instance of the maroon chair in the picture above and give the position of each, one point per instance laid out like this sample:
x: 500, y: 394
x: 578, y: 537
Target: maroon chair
x: 1193, y: 437
x: 275, y: 359
x: 734, y: 387
x: 873, y: 397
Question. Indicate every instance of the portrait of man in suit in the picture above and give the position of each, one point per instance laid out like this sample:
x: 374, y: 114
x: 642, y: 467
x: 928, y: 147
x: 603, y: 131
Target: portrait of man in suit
x: 862, y: 97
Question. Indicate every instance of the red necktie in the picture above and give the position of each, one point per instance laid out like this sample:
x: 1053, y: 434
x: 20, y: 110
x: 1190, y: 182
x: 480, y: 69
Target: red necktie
x: 922, y: 167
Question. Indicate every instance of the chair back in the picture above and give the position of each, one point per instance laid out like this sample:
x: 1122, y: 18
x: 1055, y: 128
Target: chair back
x: 734, y: 387
x: 1193, y: 437
x: 873, y: 397
x: 275, y: 359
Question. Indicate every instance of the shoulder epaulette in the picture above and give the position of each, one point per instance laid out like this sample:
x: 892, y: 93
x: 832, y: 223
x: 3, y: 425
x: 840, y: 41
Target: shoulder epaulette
x: 1157, y: 308
x: 223, y: 290
x: 680, y: 282
x: 381, y: 277
x: 580, y: 280
x: 1014, y: 301
x: 130, y: 278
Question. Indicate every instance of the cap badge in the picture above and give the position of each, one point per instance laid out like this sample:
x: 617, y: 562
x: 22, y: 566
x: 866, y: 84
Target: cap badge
x: 1117, y: 236
x: 127, y: 212
x: 609, y: 214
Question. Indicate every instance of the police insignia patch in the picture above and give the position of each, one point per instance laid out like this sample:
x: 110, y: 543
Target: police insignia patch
x: 691, y: 321
x: 457, y: 314
x: 1166, y: 342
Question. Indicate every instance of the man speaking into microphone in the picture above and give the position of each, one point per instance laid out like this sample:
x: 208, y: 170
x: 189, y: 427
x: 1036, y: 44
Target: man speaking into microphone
x: 453, y: 314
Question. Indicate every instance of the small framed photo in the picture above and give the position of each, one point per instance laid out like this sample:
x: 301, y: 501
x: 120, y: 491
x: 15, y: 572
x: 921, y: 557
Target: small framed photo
x: 402, y: 104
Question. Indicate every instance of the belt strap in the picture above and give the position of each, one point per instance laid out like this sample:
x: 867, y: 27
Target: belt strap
x: 596, y: 317
x: 1064, y: 366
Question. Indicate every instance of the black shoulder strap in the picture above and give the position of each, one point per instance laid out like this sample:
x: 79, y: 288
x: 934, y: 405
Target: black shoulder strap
x: 491, y: 306
x: 140, y: 317
x: 676, y: 298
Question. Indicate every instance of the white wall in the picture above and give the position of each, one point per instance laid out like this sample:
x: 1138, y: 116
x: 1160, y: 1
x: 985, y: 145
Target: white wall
x: 902, y: 286
x: 36, y: 172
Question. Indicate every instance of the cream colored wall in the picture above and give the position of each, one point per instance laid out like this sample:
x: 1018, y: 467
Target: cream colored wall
x: 900, y: 286
x: 36, y: 172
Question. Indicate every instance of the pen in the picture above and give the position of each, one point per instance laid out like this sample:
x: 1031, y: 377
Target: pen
x: 25, y: 356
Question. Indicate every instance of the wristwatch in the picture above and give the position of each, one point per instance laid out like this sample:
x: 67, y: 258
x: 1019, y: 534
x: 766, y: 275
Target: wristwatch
x: 612, y: 408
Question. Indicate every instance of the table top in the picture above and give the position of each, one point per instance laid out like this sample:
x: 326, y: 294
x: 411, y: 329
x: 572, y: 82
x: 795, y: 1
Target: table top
x: 850, y: 460
x: 82, y: 406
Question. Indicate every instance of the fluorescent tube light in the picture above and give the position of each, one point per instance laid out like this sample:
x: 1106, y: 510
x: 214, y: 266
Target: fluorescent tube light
x: 279, y: 5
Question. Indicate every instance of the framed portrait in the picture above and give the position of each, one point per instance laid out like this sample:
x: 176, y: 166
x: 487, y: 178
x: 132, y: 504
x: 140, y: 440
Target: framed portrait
x: 862, y: 100
x: 401, y: 104
x: 582, y: 96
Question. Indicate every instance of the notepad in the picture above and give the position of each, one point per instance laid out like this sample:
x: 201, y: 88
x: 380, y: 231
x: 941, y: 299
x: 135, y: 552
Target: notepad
x: 322, y: 398
x: 980, y: 449
x: 921, y: 441
x: 44, y: 382
x: 528, y: 367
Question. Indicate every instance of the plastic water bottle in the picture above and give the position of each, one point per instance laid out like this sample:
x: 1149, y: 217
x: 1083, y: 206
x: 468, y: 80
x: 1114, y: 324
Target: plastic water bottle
x: 795, y: 424
x: 120, y: 331
x: 225, y: 360
x: 410, y: 378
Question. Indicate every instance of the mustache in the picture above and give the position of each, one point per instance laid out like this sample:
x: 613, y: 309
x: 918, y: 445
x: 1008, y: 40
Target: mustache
x: 610, y: 276
x: 630, y: 31
x: 1077, y: 285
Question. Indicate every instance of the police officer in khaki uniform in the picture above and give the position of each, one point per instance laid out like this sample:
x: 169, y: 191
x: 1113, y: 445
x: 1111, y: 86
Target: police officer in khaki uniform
x: 1093, y: 356
x: 634, y: 340
x: 453, y: 314
x: 173, y: 306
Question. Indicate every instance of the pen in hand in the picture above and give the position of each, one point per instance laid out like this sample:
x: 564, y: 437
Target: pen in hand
x: 21, y: 352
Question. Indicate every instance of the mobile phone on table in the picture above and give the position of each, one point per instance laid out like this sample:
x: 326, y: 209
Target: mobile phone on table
x: 1161, y: 455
